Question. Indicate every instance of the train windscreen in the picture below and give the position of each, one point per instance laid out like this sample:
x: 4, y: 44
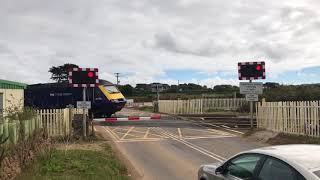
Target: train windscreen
x: 112, y: 89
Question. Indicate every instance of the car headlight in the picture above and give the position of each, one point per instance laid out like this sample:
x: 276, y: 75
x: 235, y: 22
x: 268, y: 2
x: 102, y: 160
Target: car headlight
x: 208, y: 169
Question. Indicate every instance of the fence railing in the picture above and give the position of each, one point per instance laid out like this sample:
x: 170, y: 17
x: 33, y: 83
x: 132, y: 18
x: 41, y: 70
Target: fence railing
x: 199, y: 106
x: 57, y: 122
x: 301, y: 118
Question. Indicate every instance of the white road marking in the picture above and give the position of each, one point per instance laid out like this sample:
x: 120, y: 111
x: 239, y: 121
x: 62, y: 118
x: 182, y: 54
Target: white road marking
x: 138, y: 140
x: 226, y: 126
x: 198, y: 124
x: 209, y: 137
x: 180, y: 134
x: 193, y: 146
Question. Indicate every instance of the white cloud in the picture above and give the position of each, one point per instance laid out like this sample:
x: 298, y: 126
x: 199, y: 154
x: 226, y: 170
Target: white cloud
x: 146, y: 38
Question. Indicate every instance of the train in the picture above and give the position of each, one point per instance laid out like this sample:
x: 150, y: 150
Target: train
x: 106, y: 99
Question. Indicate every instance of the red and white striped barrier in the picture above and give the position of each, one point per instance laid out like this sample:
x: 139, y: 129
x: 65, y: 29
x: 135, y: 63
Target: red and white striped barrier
x: 131, y: 118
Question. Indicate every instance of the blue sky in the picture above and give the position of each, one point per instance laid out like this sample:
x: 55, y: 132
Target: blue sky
x: 304, y: 76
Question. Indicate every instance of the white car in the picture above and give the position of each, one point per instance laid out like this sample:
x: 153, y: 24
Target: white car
x: 287, y: 162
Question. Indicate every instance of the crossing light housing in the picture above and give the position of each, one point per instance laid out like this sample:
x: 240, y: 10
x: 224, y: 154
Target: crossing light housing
x: 251, y: 70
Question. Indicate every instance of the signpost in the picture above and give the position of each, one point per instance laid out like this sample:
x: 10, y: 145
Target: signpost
x: 252, y: 97
x: 85, y: 78
x: 251, y: 88
x: 251, y: 71
x: 84, y: 104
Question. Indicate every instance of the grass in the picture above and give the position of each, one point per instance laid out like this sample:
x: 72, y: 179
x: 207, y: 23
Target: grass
x: 145, y: 108
x: 251, y: 132
x: 76, y: 164
x: 225, y: 112
x: 282, y: 139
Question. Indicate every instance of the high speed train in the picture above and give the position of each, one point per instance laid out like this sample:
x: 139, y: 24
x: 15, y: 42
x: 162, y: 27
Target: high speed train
x: 105, y: 99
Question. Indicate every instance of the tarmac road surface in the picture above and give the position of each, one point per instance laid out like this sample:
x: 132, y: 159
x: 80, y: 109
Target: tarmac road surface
x: 171, y: 149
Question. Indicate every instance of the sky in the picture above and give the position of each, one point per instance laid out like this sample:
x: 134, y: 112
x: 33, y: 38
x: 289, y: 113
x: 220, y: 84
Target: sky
x: 197, y: 41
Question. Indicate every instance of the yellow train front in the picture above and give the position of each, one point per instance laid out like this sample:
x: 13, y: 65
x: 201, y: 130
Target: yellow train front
x: 107, y: 100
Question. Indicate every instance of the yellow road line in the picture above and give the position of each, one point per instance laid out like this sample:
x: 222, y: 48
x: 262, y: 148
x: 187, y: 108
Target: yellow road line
x: 180, y: 134
x: 111, y: 134
x: 122, y: 133
x: 142, y: 132
x: 146, y: 135
x: 115, y: 134
x: 127, y: 133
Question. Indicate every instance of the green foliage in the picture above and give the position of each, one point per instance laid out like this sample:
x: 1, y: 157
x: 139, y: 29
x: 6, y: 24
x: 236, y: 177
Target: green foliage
x: 60, y: 73
x: 16, y: 111
x: 146, y: 109
x: 283, y: 138
x: 225, y: 89
x: 293, y: 93
x: 77, y: 164
x: 127, y: 90
x: 3, y: 140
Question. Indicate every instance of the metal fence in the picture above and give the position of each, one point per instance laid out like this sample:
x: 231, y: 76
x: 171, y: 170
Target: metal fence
x: 199, y: 106
x: 300, y: 118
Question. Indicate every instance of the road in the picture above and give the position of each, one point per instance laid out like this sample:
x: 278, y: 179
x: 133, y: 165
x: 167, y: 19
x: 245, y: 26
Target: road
x: 173, y: 149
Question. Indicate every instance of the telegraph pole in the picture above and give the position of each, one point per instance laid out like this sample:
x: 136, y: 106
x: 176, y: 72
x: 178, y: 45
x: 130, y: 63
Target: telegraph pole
x: 117, y: 76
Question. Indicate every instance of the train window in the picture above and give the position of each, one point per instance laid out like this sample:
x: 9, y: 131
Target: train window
x: 111, y: 89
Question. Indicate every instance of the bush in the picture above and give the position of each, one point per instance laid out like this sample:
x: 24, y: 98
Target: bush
x: 19, y: 112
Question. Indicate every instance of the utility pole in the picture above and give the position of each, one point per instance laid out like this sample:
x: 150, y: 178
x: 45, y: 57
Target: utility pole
x: 251, y: 111
x: 158, y: 94
x: 117, y: 76
x: 84, y: 120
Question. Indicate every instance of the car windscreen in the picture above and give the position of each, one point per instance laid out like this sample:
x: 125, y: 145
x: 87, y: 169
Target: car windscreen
x: 317, y: 173
x: 111, y: 89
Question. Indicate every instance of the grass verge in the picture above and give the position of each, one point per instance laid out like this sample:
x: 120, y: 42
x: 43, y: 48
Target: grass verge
x: 251, y: 132
x: 282, y: 139
x: 75, y: 164
x: 145, y: 108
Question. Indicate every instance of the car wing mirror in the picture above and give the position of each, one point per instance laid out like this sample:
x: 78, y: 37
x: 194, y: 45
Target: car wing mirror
x: 219, y: 170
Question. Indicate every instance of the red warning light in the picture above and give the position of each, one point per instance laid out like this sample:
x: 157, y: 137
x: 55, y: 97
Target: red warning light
x: 90, y: 74
x: 258, y: 67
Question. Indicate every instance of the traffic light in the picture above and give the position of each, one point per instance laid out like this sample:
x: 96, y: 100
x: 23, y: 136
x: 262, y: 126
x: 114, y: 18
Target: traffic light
x: 251, y: 70
x: 83, y: 77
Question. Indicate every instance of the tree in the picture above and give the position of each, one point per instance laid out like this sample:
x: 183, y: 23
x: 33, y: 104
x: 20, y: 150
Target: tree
x: 126, y: 90
x: 60, y: 73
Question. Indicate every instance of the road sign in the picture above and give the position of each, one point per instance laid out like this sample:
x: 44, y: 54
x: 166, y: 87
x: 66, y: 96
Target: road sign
x: 252, y: 97
x: 83, y: 77
x: 251, y: 88
x: 252, y: 70
x: 84, y: 104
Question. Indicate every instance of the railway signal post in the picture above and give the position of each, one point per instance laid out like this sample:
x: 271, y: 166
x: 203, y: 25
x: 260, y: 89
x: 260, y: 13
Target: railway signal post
x: 84, y: 78
x: 251, y: 71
